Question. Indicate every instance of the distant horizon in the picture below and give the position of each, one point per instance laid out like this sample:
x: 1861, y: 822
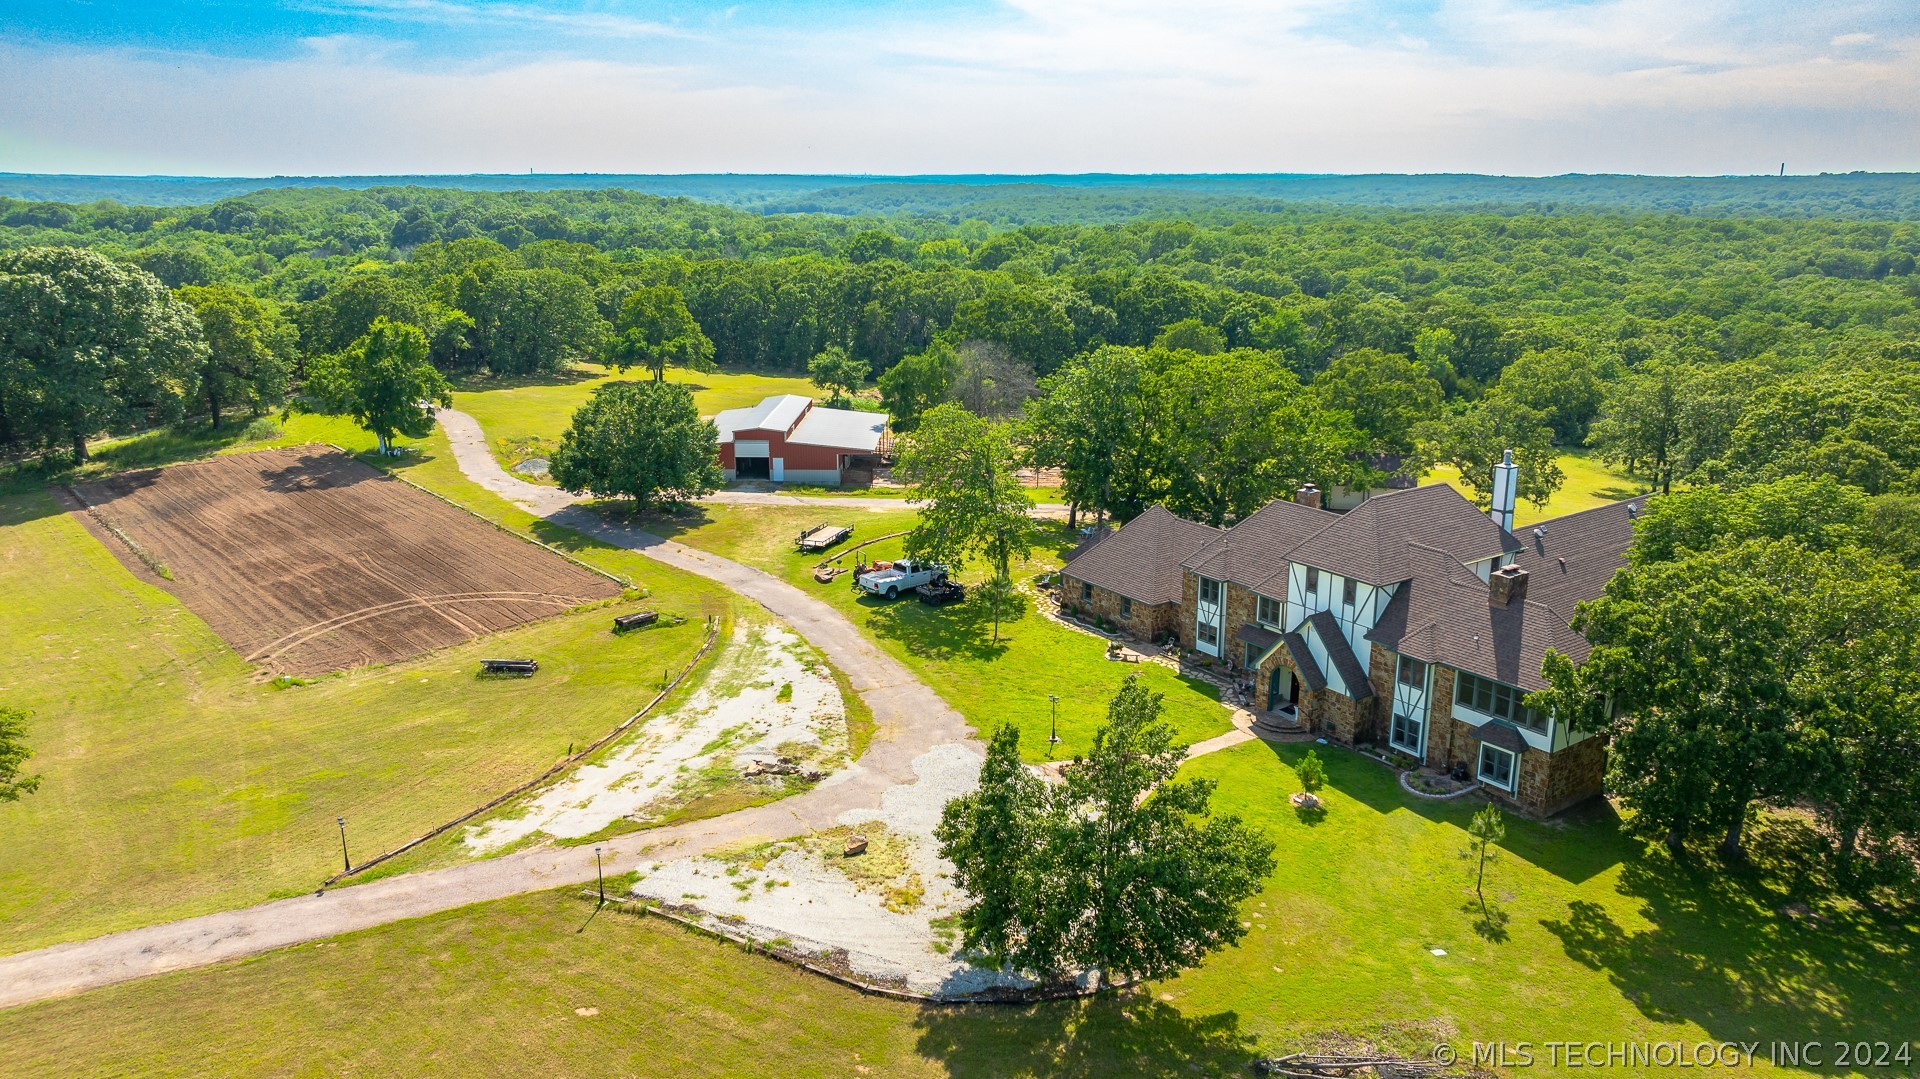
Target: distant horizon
x: 1789, y: 174
x: 899, y: 88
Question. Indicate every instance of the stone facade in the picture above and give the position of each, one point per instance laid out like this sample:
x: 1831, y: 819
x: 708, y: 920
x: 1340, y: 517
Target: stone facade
x: 1138, y: 620
x: 1548, y: 782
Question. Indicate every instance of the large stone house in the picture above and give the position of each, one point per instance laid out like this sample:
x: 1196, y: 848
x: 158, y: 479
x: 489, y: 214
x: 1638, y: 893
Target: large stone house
x: 1412, y: 622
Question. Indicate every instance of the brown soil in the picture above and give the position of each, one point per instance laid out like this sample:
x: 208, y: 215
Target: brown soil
x: 306, y: 560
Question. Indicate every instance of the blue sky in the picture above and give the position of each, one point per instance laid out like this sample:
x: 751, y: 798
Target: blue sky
x: 231, y: 87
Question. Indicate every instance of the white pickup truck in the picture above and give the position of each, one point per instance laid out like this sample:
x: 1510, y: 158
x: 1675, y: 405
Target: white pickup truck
x: 897, y: 577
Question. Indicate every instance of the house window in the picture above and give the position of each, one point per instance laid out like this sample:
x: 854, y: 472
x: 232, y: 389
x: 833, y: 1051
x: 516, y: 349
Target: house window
x: 1209, y: 590
x: 1126, y: 607
x: 1313, y: 581
x: 1413, y: 672
x: 1347, y: 591
x: 1405, y: 733
x: 1253, y: 657
x: 1491, y: 698
x: 1267, y: 612
x: 1207, y: 632
x: 1086, y: 592
x: 1496, y: 767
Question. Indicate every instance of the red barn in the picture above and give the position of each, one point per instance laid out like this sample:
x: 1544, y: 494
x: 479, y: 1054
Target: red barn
x: 789, y: 439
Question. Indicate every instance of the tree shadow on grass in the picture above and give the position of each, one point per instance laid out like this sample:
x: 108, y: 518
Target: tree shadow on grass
x: 1127, y: 1033
x: 962, y: 630
x: 1721, y: 953
x: 484, y: 382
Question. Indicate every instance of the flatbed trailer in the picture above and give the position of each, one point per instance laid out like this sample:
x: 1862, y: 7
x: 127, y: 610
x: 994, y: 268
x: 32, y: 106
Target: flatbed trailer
x: 822, y: 536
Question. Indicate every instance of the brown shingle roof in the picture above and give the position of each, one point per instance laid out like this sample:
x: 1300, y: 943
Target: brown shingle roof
x: 1445, y: 614
x: 1142, y: 560
x: 1352, y: 672
x: 1570, y: 559
x: 1303, y: 661
x: 1369, y: 542
x: 1254, y: 551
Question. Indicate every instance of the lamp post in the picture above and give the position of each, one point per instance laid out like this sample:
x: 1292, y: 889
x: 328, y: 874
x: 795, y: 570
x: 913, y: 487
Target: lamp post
x: 598, y: 872
x: 1053, y: 738
x: 345, y: 861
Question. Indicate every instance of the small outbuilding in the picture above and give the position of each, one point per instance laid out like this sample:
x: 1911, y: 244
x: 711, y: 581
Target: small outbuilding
x: 789, y: 439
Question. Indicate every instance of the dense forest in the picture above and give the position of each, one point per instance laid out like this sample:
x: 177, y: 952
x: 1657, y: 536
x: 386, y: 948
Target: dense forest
x: 1764, y: 371
x: 1653, y: 338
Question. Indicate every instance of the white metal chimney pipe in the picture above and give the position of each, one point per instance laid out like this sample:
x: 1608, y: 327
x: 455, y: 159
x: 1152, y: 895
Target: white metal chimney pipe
x: 1506, y: 491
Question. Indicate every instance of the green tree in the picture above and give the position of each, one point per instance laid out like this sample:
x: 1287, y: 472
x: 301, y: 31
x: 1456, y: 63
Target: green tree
x: 640, y: 440
x: 251, y: 349
x: 1474, y: 438
x: 656, y: 329
x: 88, y: 345
x: 384, y: 381
x: 528, y: 321
x: 1691, y: 676
x: 961, y: 471
x: 919, y: 382
x: 1484, y: 834
x: 1563, y: 383
x: 1121, y: 869
x: 1312, y: 772
x: 1857, y: 420
x: 13, y: 756
x: 1387, y: 395
x: 1191, y: 335
x: 1641, y: 426
x: 837, y: 373
x: 1230, y: 433
x: 995, y: 837
x: 1090, y: 421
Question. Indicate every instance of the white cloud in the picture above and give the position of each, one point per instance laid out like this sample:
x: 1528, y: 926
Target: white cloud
x: 1059, y: 85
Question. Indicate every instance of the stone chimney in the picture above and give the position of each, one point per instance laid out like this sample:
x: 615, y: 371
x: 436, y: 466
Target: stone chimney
x: 1509, y: 586
x: 1308, y: 496
x: 1506, y: 491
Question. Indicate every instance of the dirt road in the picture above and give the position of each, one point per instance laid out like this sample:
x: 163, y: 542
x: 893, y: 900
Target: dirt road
x: 909, y: 720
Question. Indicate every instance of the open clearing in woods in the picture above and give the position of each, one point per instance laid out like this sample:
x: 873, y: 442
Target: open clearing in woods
x: 308, y: 561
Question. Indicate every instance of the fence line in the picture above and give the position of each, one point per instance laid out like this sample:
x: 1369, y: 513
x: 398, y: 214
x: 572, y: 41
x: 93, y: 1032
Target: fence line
x: 713, y: 633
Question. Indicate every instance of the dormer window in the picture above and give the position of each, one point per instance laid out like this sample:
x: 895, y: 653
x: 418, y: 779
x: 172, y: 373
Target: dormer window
x: 1348, y: 591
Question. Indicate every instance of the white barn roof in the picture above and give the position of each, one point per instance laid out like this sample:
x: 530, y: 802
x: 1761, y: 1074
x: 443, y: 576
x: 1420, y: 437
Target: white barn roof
x: 838, y: 428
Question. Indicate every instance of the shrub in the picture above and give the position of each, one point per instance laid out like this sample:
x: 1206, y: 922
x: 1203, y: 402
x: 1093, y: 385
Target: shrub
x: 263, y: 429
x: 1312, y: 773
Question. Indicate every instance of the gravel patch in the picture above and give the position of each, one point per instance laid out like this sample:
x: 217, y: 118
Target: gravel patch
x: 767, y: 697
x: 805, y: 895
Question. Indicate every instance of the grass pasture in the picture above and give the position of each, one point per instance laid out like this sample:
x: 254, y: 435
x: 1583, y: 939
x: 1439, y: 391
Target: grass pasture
x: 177, y: 781
x: 952, y: 648
x: 524, y: 417
x: 1590, y: 482
x: 1601, y: 940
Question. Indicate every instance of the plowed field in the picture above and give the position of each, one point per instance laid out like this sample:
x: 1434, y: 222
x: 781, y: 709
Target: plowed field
x: 306, y: 560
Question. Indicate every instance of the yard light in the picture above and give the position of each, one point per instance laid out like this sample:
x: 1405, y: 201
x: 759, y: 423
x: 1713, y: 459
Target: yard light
x: 1053, y: 738
x: 600, y: 874
x: 344, y: 860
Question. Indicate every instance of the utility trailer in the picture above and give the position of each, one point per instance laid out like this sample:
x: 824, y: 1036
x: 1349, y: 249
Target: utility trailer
x: 513, y: 668
x: 941, y: 593
x: 822, y: 536
x: 635, y: 620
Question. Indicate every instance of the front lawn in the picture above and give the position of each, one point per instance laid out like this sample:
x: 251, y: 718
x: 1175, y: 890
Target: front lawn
x: 952, y: 648
x: 1603, y: 940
